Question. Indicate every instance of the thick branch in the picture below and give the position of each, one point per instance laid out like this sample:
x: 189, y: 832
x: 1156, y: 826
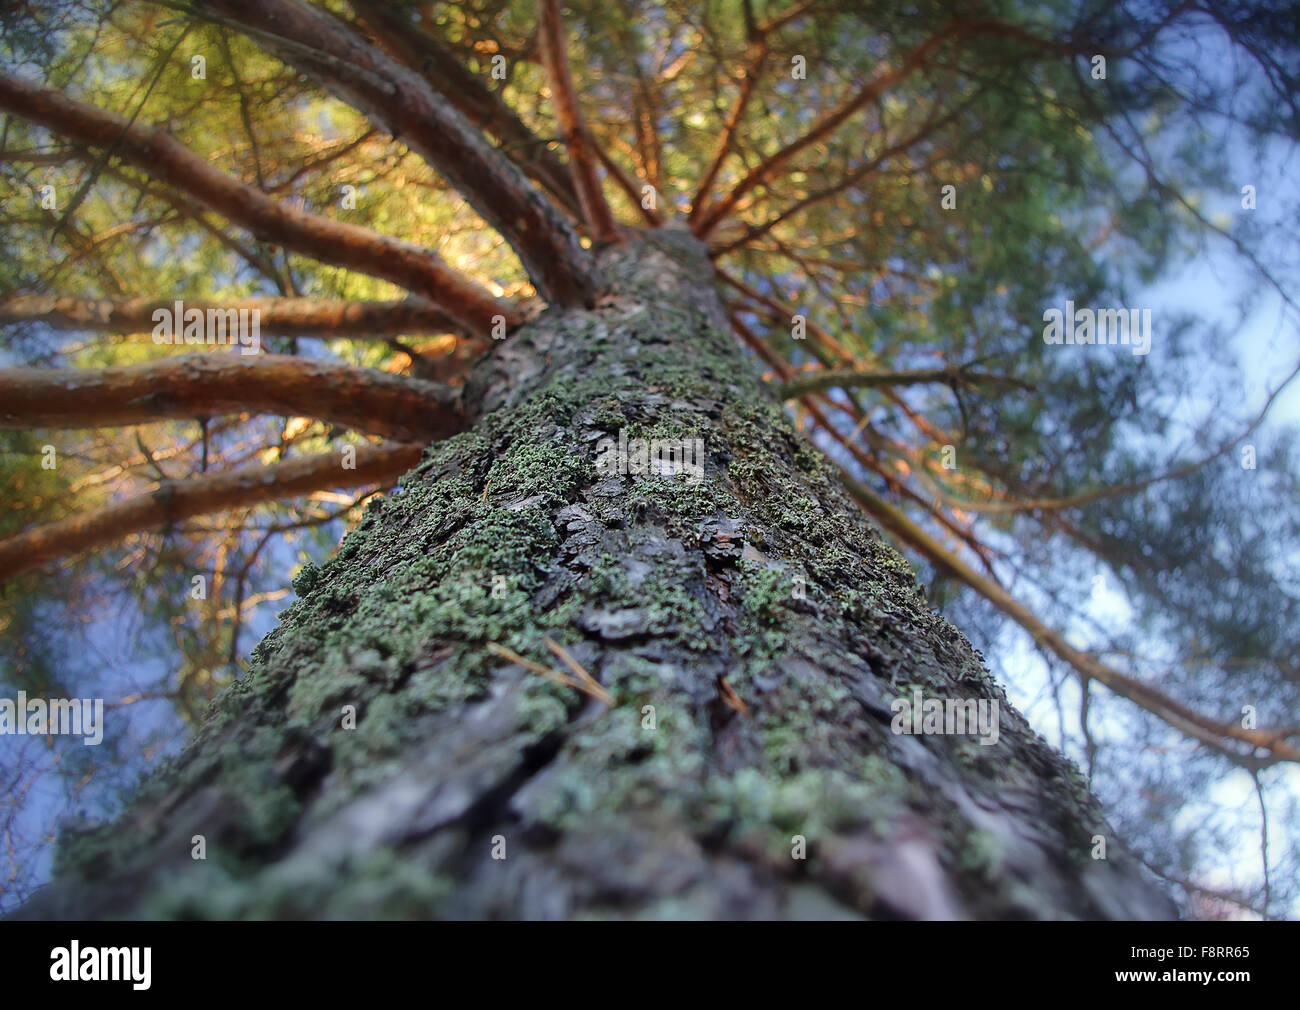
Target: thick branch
x: 582, y: 160
x: 405, y: 105
x: 201, y: 385
x: 288, y: 317
x: 174, y: 501
x: 344, y: 245
x: 465, y: 90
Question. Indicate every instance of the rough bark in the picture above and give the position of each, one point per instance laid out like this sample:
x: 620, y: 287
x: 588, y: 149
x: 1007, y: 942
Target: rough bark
x: 772, y: 712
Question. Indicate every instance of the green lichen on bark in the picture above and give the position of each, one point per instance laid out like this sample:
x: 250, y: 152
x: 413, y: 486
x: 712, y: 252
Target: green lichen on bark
x: 663, y: 589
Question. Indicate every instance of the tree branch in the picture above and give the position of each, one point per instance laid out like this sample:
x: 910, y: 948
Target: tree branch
x: 201, y: 385
x: 846, y: 182
x: 629, y: 185
x: 872, y: 91
x: 465, y: 90
x: 345, y: 245
x: 295, y: 317
x: 174, y: 501
x: 851, y: 378
x: 582, y: 160
x: 758, y: 52
x: 405, y: 105
x: 1026, y: 505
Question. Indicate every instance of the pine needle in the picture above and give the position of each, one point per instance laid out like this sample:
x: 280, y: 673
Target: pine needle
x: 596, y: 689
x: 730, y: 698
x: 547, y: 672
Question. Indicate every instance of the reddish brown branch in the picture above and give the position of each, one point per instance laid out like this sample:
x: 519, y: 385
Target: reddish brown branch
x: 754, y: 68
x: 582, y: 159
x: 293, y: 317
x: 174, y: 501
x: 819, y: 380
x: 753, y: 232
x: 202, y: 385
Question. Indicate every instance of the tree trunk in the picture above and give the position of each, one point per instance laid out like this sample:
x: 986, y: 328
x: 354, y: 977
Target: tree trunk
x: 746, y: 715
